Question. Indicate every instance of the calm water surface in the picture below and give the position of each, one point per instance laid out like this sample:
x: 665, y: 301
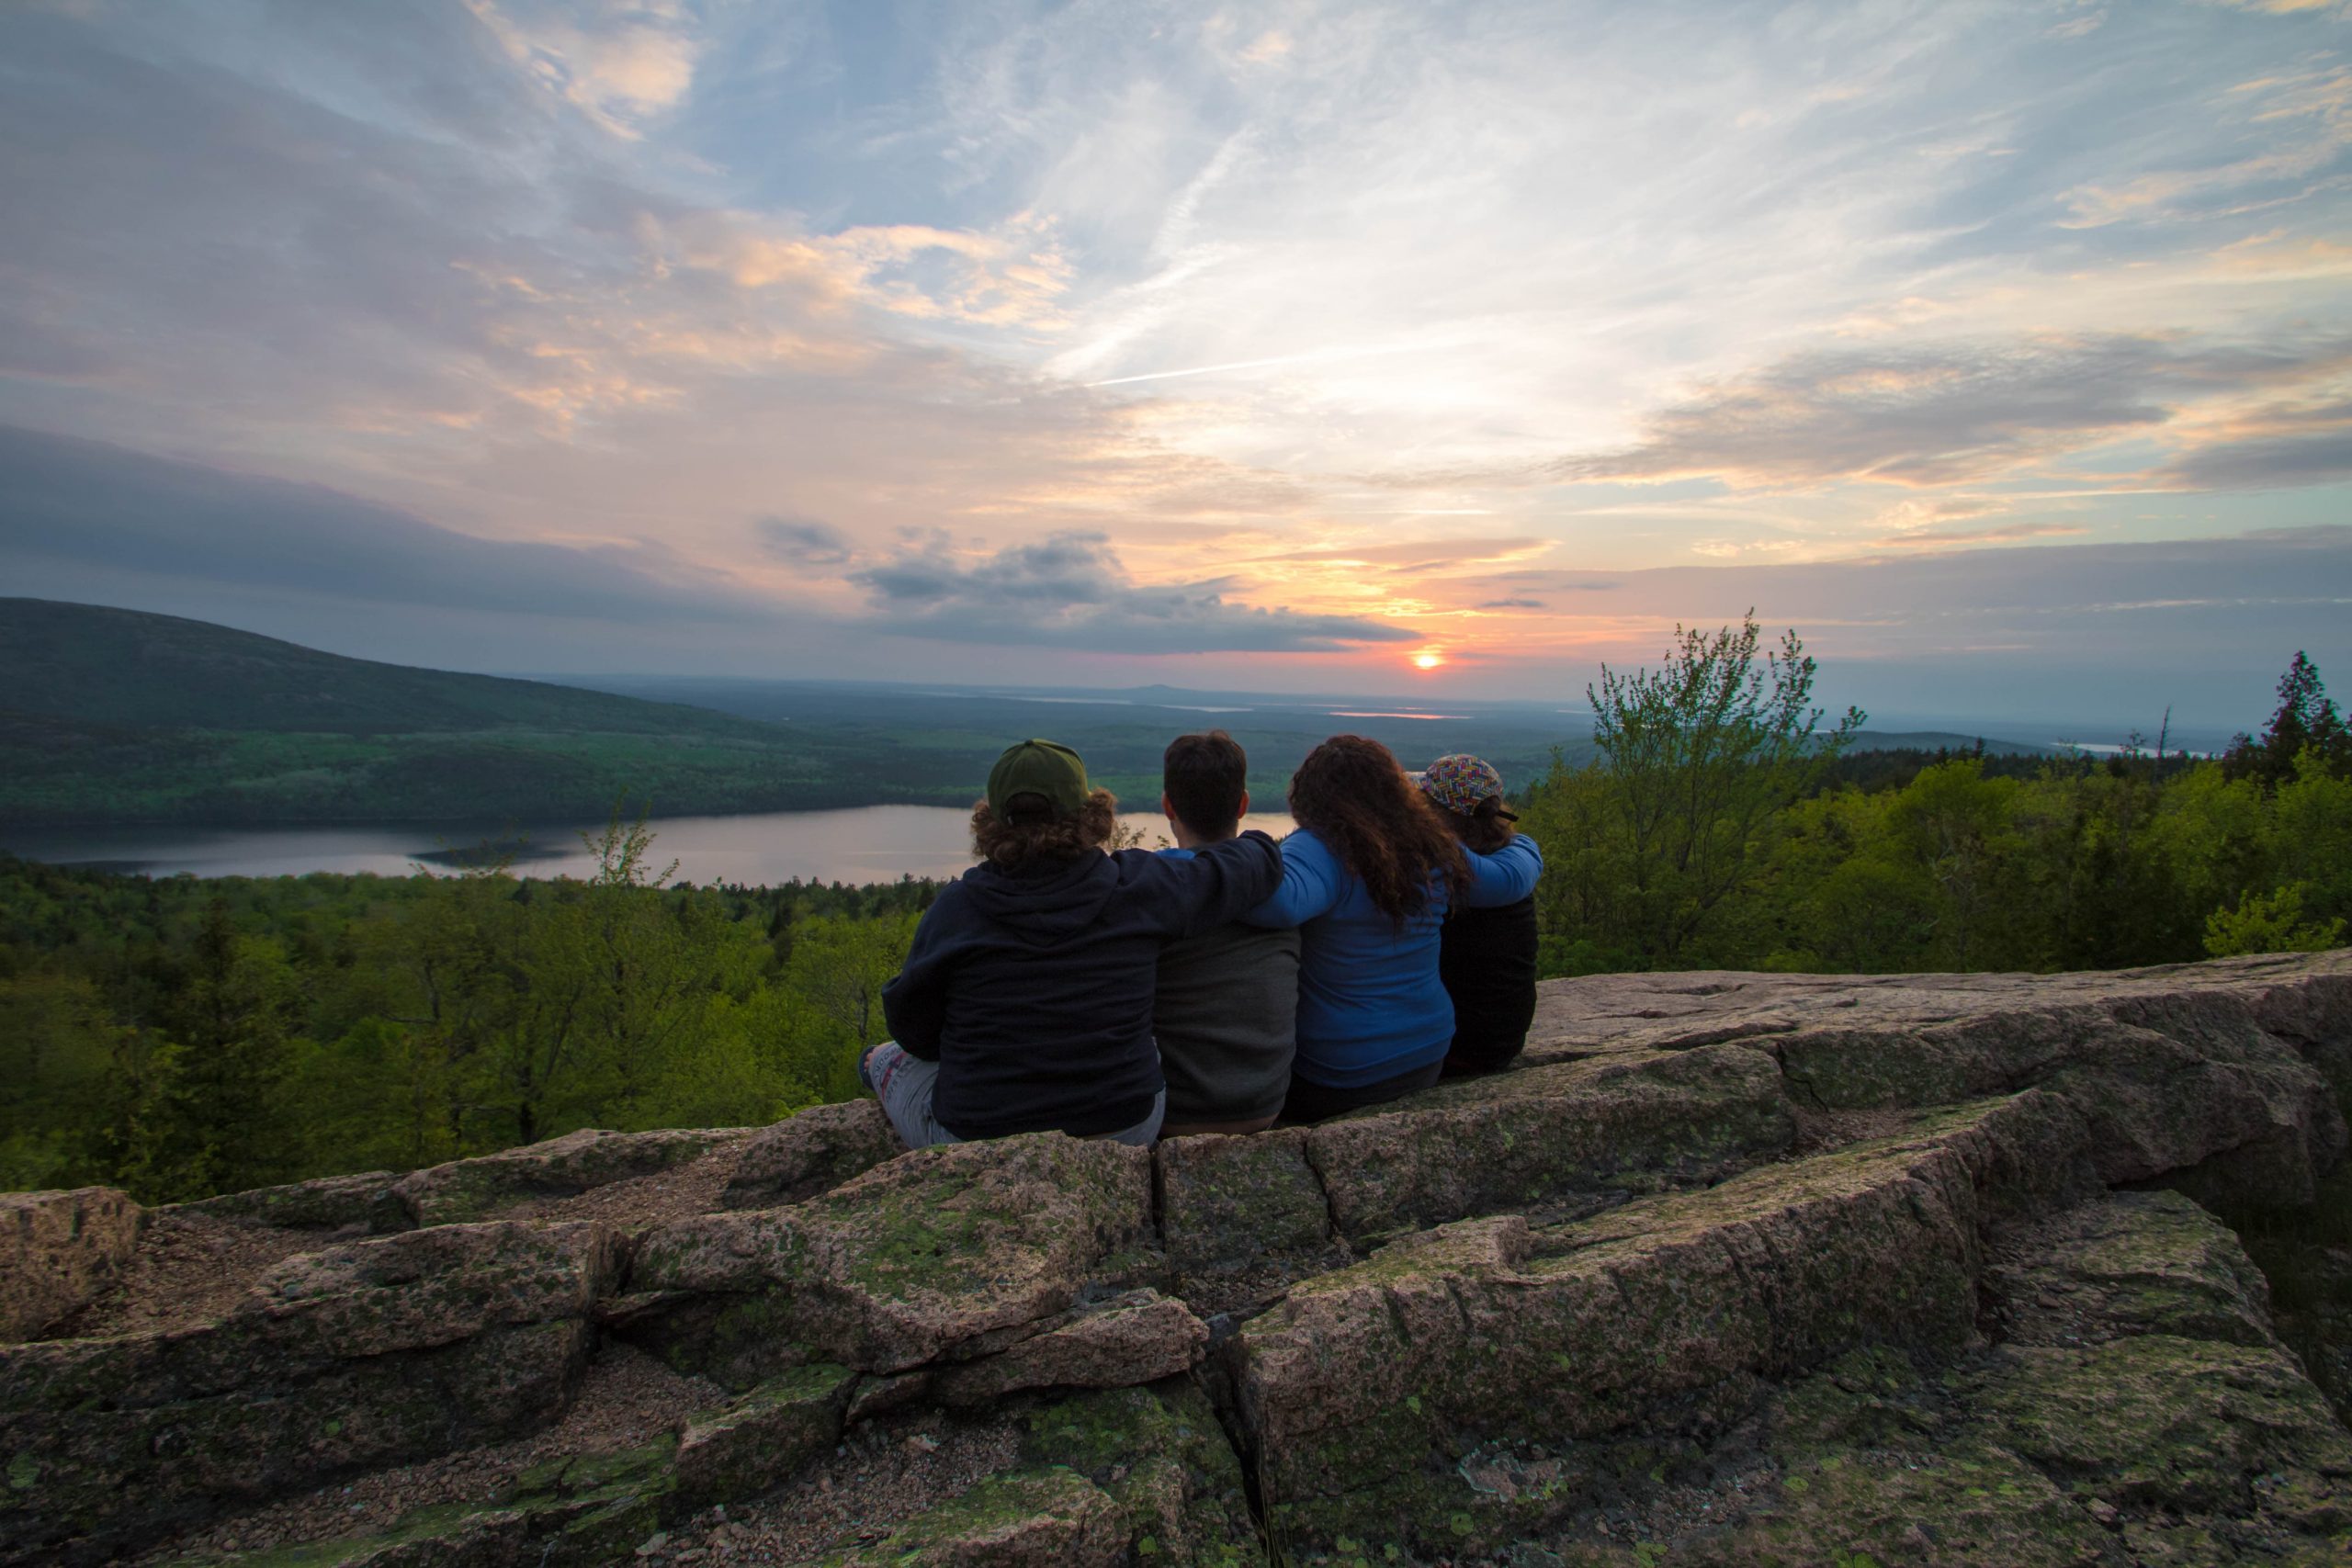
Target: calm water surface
x: 866, y: 844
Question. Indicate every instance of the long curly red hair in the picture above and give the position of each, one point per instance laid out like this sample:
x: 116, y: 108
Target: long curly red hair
x: 1351, y: 792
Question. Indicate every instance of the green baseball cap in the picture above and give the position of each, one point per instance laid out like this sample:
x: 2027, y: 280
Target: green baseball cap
x: 1039, y: 767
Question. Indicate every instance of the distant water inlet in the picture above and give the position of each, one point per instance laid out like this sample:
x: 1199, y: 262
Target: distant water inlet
x: 865, y: 843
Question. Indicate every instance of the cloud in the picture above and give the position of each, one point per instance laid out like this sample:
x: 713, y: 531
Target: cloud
x: 802, y: 541
x: 2280, y: 445
x: 2269, y: 462
x: 1071, y: 591
x: 115, y: 515
x: 2308, y: 116
x: 2285, y: 7
x: 620, y: 75
x: 2009, y: 533
x: 1513, y: 605
x: 1890, y: 601
x: 1423, y: 555
x: 2081, y: 25
x: 1938, y: 414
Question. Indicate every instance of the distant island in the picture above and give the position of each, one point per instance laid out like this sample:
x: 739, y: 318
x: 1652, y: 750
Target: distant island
x: 115, y: 716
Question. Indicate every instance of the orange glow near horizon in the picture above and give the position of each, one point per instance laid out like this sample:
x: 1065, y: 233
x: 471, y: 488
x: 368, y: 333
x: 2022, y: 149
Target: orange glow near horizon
x: 1427, y: 658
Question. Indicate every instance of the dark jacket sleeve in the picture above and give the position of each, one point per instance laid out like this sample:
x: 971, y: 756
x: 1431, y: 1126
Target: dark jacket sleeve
x: 914, y: 1004
x: 1216, y: 885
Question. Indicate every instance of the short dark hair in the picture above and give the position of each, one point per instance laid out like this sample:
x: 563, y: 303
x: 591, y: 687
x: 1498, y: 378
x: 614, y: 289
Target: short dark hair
x: 1205, y: 776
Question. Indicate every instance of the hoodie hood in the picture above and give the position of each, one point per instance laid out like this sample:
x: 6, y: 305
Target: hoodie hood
x: 1049, y: 905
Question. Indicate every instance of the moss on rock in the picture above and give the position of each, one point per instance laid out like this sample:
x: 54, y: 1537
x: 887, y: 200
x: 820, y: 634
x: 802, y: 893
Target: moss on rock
x: 938, y: 1249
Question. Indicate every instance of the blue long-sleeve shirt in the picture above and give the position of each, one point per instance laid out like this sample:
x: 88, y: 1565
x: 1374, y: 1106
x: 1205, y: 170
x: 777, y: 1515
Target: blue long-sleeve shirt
x: 1370, y: 1003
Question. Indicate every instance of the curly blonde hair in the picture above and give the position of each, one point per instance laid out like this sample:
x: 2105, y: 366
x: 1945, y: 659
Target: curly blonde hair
x: 1008, y: 844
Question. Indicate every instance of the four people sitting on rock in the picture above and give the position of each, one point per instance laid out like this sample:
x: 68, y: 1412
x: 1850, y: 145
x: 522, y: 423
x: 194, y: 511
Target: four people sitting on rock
x: 1224, y: 983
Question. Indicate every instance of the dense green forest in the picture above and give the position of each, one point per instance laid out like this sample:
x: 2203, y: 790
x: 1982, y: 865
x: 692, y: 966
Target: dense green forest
x: 182, y: 1037
x: 1722, y: 826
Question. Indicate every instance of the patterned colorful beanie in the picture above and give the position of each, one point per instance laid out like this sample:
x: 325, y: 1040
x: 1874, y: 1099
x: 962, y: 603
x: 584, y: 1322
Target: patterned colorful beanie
x: 1462, y: 784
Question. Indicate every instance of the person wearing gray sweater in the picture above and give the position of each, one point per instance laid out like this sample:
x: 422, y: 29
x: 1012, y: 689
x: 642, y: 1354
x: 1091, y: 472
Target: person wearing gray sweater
x: 1225, y: 1014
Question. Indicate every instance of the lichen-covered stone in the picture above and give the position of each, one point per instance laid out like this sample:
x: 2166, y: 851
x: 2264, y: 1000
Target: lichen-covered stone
x: 1161, y: 1455
x: 937, y: 1248
x: 1364, y: 1389
x: 2164, y: 1425
x: 744, y: 1449
x: 2158, y: 1099
x: 429, y: 1287
x: 1544, y: 1137
x: 97, y: 1474
x: 374, y: 1352
x: 1129, y: 1475
x: 2132, y: 1263
x: 559, y: 1167
x: 812, y: 1152
x: 1949, y: 1506
x: 1227, y: 1204
x: 1137, y: 1338
x: 1032, y: 1518
x: 569, y: 1513
x: 330, y: 1202
x: 58, y: 1251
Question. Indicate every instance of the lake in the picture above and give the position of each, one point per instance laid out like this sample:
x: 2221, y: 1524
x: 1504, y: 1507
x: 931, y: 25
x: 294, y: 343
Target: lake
x: 865, y: 843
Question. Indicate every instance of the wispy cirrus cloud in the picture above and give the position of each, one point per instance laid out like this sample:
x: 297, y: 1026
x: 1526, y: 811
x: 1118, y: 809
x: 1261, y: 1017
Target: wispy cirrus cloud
x: 1942, y: 414
x: 2299, y: 127
x: 2001, y: 533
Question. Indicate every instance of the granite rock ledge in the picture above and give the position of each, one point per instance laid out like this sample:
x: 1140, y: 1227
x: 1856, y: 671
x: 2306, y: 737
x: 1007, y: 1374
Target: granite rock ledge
x: 1730, y: 1269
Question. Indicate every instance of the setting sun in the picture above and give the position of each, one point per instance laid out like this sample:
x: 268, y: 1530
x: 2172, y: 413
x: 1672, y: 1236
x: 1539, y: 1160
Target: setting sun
x: 1427, y: 660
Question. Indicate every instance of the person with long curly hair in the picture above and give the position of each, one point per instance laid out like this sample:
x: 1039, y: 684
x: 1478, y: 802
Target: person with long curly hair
x: 1025, y: 1001
x: 1486, y: 957
x: 1368, y: 879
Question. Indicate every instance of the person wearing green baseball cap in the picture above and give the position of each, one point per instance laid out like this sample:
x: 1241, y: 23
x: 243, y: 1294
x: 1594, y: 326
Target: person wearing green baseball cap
x: 1025, y: 1001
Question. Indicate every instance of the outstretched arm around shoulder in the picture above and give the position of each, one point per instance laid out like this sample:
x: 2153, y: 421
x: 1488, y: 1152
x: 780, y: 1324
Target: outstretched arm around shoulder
x: 1311, y: 885
x: 1504, y: 877
x: 1216, y: 881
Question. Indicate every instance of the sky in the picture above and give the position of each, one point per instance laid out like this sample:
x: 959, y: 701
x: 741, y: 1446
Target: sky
x: 2003, y: 348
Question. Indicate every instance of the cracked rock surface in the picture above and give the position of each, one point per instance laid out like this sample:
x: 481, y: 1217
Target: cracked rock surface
x: 1730, y: 1269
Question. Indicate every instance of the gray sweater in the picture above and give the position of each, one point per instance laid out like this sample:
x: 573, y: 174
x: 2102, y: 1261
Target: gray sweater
x: 1227, y: 1022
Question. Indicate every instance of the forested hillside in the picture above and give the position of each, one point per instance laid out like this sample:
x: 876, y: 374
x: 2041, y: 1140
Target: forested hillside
x: 115, y: 715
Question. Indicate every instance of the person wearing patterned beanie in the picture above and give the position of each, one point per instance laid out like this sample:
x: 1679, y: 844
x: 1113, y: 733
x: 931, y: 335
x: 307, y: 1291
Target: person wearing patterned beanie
x: 1486, y: 957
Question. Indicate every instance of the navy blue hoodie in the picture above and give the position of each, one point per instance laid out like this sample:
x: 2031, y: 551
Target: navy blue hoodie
x: 1033, y: 989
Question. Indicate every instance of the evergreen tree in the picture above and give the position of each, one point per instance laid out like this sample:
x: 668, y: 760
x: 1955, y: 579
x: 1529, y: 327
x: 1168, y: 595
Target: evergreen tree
x: 2307, y: 720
